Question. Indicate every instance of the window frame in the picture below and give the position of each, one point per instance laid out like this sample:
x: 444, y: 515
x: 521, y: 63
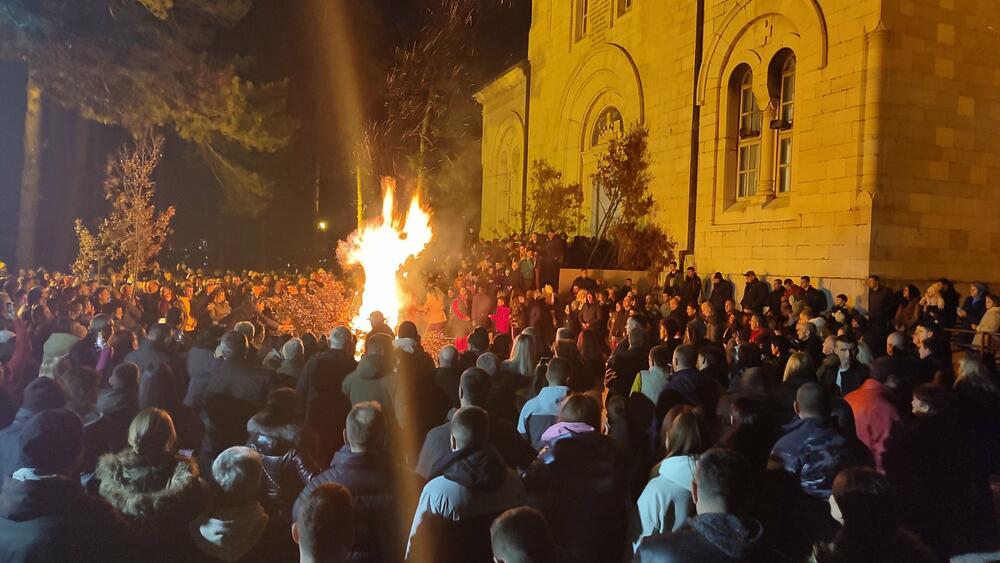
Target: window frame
x: 582, y: 19
x: 784, y: 139
x: 748, y: 144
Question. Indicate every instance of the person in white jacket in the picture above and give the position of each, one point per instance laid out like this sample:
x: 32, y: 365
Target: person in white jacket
x: 666, y: 502
x: 473, y: 481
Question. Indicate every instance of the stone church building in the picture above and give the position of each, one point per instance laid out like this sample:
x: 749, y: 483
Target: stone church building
x: 831, y: 138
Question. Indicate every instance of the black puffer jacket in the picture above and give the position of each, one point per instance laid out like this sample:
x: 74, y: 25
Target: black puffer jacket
x: 286, y: 470
x: 581, y: 488
x: 707, y: 538
x: 384, y: 496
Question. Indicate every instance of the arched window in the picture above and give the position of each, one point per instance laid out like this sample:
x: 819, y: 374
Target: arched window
x: 786, y: 116
x: 748, y: 160
x: 607, y: 123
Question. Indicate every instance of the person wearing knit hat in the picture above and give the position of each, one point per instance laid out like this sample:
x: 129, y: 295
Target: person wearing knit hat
x: 55, y: 349
x: 42, y: 394
x: 44, y: 513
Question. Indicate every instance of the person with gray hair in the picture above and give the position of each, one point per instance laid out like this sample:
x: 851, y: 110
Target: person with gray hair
x: 235, y: 526
x: 319, y: 394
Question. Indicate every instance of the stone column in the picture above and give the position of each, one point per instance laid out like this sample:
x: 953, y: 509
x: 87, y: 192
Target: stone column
x: 878, y: 40
x: 765, y: 179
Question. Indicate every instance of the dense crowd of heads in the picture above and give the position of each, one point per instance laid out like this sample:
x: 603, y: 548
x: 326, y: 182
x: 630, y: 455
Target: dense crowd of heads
x: 177, y: 418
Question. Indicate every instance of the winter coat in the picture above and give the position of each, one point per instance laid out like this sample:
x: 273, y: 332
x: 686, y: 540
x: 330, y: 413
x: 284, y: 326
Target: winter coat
x: 721, y: 292
x: 54, y: 520
x: 321, y: 398
x: 696, y: 388
x: 448, y: 379
x: 876, y: 419
x: 650, y: 383
x: 850, y: 379
x: 580, y: 486
x: 381, y: 513
x: 989, y: 323
x: 541, y: 412
x: 234, y: 391
x: 286, y: 470
x: 755, y: 296
x: 119, y: 405
x: 666, y: 503
x: 243, y: 534
x: 513, y: 449
x: 10, y: 449
x: 372, y: 382
x: 158, y: 498
x: 814, y: 451
x: 816, y: 300
x: 420, y: 405
x: 708, y: 538
x: 472, y: 482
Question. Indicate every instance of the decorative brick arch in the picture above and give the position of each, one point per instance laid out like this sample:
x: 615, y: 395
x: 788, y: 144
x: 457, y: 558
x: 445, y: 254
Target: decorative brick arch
x: 806, y: 16
x: 607, y: 76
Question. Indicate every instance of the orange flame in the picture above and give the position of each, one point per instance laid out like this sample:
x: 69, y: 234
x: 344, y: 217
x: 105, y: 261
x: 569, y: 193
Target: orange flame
x: 381, y: 247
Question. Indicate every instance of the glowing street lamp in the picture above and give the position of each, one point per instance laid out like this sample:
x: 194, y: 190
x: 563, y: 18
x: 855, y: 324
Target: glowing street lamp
x: 321, y: 225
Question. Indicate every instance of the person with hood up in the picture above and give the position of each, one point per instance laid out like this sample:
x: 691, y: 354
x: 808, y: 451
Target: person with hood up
x: 42, y: 394
x: 718, y: 534
x: 275, y: 434
x: 45, y: 515
x: 375, y: 377
x: 234, y: 527
x: 292, y: 362
x: 155, y: 488
x: 471, y: 483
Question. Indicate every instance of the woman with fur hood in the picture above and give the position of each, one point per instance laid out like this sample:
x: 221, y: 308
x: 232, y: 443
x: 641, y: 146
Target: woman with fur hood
x: 154, y: 487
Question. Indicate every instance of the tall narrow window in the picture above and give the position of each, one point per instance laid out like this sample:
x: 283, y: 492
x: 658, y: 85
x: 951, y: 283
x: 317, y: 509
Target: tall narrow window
x: 582, y: 18
x: 624, y: 6
x: 748, y: 167
x: 786, y: 116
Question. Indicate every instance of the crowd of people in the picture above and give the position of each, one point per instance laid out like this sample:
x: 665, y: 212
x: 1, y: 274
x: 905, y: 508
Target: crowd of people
x: 153, y: 420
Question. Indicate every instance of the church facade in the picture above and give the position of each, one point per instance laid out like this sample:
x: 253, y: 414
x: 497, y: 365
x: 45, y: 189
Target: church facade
x: 819, y: 137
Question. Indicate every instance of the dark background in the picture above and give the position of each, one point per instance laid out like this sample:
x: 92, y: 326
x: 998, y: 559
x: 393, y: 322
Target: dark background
x: 283, y: 41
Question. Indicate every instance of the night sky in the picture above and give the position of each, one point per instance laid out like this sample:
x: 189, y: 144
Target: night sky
x: 283, y: 42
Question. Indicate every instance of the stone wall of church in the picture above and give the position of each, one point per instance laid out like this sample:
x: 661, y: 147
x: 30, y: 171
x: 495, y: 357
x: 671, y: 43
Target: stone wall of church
x: 822, y: 225
x: 503, y: 104
x: 640, y: 62
x: 937, y: 210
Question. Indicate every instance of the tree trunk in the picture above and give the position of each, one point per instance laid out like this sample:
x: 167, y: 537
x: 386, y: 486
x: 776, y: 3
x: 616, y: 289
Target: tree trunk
x: 422, y: 153
x: 30, y: 176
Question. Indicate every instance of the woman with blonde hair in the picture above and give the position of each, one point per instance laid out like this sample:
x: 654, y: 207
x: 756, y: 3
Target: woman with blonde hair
x: 521, y: 364
x: 798, y: 371
x: 153, y: 486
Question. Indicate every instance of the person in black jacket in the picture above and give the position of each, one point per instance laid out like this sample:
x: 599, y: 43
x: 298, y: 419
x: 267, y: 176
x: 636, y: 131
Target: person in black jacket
x: 722, y: 291
x: 320, y: 396
x: 45, y: 515
x: 382, y: 489
x: 42, y: 394
x: 579, y: 482
x: 276, y: 435
x: 815, y: 299
x: 718, y: 534
x: 846, y: 375
x: 325, y: 529
x: 755, y: 293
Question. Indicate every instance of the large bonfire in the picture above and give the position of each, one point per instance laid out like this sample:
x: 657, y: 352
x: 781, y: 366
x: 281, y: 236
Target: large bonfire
x: 381, y: 247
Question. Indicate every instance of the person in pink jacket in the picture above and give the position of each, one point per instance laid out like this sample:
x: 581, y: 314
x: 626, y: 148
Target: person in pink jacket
x: 501, y: 317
